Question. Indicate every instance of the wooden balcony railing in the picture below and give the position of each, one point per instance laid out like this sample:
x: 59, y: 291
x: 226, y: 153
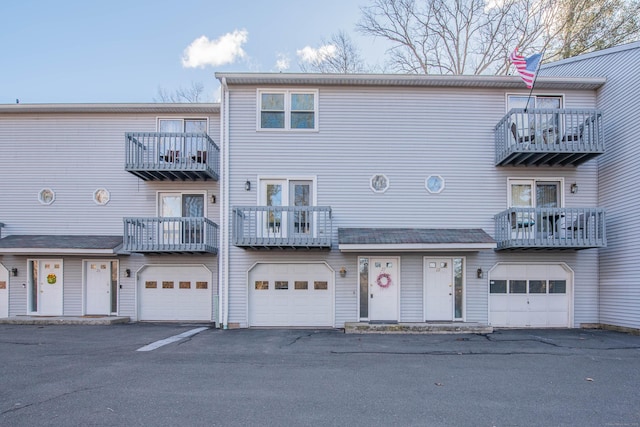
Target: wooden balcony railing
x: 170, y: 235
x: 171, y: 156
x: 550, y: 228
x: 552, y: 137
x: 282, y: 226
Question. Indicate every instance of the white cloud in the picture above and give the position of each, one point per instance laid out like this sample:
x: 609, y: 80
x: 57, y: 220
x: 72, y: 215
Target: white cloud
x: 282, y: 63
x: 311, y: 55
x: 225, y: 49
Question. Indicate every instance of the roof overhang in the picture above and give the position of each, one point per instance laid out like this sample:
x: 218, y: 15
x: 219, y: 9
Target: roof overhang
x: 413, y: 240
x: 60, y: 245
x: 96, y: 108
x: 410, y: 80
x: 433, y: 247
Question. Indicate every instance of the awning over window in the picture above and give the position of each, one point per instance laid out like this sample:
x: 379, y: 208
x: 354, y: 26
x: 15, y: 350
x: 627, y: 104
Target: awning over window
x: 60, y: 245
x: 413, y: 239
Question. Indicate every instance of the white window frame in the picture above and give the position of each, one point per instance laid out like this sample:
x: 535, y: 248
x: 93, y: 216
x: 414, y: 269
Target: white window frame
x: 182, y: 119
x: 533, y: 97
x: 286, y: 181
x: 287, y: 109
x: 181, y: 193
x: 533, y: 182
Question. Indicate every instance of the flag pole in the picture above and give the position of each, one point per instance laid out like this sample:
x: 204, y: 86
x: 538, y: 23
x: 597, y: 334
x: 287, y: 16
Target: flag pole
x: 535, y: 77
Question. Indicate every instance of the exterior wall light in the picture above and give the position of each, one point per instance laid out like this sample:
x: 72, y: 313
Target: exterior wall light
x: 479, y: 273
x: 127, y: 273
x: 247, y: 185
x: 14, y: 271
x: 574, y: 188
x: 343, y: 272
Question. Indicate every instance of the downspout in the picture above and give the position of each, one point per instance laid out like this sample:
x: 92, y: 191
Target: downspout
x: 223, y: 302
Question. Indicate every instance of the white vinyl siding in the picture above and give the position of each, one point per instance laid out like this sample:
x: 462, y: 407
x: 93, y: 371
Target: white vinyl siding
x: 406, y: 134
x: 74, y: 154
x: 619, y: 292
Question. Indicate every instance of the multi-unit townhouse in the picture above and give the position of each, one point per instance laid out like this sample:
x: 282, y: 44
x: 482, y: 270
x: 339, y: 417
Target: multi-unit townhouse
x: 618, y: 172
x: 339, y: 198
x: 394, y: 198
x: 109, y: 209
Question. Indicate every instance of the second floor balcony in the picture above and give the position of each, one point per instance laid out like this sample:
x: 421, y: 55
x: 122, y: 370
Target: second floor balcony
x: 550, y: 228
x: 172, y: 156
x: 282, y: 227
x: 550, y: 137
x: 170, y: 235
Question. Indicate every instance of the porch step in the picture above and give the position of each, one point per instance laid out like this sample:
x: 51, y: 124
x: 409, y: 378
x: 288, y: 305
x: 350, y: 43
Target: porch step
x: 416, y: 328
x: 64, y: 320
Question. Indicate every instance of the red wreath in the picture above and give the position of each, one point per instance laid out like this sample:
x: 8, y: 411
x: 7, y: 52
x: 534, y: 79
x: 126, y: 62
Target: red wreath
x: 387, y: 278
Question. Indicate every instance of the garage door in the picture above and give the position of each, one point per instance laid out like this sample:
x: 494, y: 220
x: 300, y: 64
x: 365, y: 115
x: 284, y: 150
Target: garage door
x: 530, y: 295
x: 176, y: 293
x: 291, y: 295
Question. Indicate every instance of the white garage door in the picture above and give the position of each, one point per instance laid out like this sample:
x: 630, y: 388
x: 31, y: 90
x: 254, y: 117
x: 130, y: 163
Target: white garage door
x: 530, y: 295
x: 175, y: 292
x: 290, y: 295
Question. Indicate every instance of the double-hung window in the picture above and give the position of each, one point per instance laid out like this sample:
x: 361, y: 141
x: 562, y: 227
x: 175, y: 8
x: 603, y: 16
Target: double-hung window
x: 287, y: 109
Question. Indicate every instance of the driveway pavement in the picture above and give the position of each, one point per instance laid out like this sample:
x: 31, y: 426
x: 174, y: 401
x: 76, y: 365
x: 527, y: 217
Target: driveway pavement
x: 94, y: 375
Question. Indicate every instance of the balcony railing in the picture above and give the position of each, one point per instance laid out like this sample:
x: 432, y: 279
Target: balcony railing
x: 171, y: 156
x: 551, y: 137
x: 170, y: 235
x: 551, y: 228
x: 282, y: 226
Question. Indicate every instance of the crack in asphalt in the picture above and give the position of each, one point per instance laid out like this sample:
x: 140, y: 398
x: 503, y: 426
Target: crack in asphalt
x: 28, y: 405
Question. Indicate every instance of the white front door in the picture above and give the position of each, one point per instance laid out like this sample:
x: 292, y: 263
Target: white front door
x: 98, y: 283
x: 438, y: 289
x: 4, y: 292
x: 46, y: 290
x: 384, y: 289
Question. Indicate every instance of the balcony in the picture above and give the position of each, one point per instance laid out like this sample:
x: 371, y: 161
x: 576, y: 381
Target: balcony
x: 282, y: 227
x: 170, y: 235
x: 172, y: 156
x: 550, y: 137
x: 550, y: 228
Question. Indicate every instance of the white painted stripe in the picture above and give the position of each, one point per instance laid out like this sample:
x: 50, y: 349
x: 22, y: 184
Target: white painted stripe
x: 172, y: 339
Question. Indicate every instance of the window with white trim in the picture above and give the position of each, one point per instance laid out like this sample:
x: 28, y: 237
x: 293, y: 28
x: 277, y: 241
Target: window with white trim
x: 536, y: 201
x: 287, y: 109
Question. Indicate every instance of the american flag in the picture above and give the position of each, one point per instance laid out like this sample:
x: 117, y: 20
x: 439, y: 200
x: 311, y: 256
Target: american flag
x: 527, y: 67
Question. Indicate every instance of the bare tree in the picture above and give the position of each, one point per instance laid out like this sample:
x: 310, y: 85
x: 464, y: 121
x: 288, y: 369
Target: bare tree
x: 589, y: 25
x: 193, y: 93
x: 476, y: 36
x: 345, y: 58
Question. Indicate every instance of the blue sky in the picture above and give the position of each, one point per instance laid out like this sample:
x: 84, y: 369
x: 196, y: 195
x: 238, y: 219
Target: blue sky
x: 124, y: 50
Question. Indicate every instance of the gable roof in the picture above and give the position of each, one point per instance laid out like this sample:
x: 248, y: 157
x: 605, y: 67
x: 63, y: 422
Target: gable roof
x: 603, y: 52
x: 63, y: 244
x: 413, y: 239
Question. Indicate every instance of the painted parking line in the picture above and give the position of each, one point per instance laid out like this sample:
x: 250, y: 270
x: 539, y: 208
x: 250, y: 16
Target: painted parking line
x: 172, y: 339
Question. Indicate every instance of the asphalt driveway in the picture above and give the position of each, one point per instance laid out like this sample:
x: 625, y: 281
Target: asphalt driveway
x: 94, y: 375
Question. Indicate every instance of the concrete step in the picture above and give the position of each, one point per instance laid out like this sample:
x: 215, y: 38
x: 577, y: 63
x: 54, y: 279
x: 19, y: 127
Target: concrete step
x: 417, y: 328
x: 64, y: 320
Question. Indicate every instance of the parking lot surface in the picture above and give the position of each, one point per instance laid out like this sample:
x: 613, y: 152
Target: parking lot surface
x: 95, y: 375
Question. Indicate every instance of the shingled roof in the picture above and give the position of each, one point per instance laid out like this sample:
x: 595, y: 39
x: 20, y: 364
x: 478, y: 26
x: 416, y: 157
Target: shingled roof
x: 414, y: 239
x: 60, y: 244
